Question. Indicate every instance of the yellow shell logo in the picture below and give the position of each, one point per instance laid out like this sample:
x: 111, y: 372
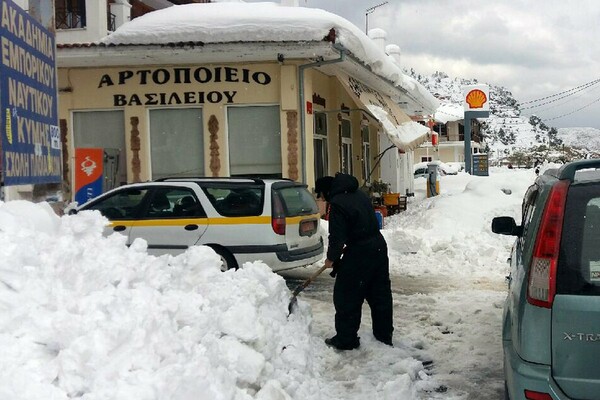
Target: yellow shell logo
x: 476, y: 98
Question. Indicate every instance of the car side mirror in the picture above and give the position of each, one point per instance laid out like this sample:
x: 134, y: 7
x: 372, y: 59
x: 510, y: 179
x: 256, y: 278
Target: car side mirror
x: 506, y: 226
x: 70, y: 209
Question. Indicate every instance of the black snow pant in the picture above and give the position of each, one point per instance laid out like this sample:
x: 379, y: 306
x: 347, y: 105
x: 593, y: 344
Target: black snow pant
x: 363, y: 274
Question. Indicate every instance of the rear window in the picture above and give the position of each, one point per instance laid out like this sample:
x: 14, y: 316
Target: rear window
x: 236, y: 201
x: 297, y: 201
x: 579, y: 260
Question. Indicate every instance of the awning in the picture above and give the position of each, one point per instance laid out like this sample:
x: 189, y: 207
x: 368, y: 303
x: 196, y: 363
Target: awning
x: 400, y: 129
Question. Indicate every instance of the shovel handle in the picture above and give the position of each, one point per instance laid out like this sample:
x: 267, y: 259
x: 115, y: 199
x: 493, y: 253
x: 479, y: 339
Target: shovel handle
x: 307, y: 282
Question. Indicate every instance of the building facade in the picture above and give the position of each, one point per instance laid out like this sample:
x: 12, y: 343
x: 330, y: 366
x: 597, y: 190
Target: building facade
x: 296, y: 109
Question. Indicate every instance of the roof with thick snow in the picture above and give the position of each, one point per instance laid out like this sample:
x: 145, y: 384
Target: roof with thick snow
x: 240, y: 22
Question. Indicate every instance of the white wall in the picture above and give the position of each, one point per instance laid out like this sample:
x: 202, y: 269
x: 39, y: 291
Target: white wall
x: 24, y: 4
x: 396, y: 168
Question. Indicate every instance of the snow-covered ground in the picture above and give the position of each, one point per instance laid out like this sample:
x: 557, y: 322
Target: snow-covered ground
x: 83, y: 316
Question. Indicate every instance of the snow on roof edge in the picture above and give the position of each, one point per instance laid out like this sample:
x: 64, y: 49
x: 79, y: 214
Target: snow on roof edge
x: 259, y: 22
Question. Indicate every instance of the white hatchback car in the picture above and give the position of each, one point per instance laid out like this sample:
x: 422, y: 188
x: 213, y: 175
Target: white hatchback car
x: 421, y: 169
x: 242, y: 219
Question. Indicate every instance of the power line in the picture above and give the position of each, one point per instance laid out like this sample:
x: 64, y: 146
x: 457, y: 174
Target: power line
x: 563, y: 92
x: 546, y: 109
x: 583, y: 87
x: 573, y: 112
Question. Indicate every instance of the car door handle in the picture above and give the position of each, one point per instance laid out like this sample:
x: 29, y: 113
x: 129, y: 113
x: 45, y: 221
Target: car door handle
x: 119, y: 228
x: 191, y: 227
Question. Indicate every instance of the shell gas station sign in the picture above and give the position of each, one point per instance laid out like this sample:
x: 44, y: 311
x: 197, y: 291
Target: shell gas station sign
x: 476, y: 98
x: 476, y: 102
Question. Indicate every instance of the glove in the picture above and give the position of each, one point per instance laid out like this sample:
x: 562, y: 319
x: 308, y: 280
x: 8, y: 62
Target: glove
x: 334, y: 270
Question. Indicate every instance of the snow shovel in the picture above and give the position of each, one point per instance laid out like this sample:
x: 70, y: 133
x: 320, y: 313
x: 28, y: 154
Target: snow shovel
x: 302, y: 286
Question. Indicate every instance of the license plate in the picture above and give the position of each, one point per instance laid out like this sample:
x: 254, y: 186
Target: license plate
x: 308, y: 227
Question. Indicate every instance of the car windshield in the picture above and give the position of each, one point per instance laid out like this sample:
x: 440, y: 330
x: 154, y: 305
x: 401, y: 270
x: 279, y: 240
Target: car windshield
x: 123, y: 204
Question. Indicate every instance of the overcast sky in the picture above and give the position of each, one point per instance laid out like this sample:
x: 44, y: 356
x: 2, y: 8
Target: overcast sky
x: 533, y: 48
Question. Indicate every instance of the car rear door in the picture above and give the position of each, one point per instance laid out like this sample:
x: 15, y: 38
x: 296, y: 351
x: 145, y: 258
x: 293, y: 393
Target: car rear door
x: 172, y: 220
x: 301, y: 216
x: 576, y: 307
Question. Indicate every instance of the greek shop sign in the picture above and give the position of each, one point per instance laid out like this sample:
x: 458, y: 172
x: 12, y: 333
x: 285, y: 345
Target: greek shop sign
x: 31, y: 148
x: 180, y: 76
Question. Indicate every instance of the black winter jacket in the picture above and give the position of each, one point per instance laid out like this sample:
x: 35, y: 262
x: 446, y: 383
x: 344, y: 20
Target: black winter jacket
x: 352, y: 220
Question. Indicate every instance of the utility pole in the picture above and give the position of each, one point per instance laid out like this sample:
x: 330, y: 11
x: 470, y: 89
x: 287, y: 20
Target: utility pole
x: 368, y: 11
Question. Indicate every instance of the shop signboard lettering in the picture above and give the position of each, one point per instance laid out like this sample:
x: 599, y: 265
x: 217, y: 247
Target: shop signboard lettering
x: 180, y: 76
x: 31, y: 149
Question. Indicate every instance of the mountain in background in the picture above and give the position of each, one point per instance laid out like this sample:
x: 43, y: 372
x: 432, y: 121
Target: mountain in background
x: 510, y: 136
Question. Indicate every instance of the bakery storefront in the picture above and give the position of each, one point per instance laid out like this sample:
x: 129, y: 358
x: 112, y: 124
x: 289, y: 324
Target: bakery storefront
x: 176, y: 121
x: 218, y: 120
x: 127, y: 115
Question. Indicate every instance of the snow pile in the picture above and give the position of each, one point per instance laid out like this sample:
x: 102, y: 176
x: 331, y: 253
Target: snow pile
x: 452, y: 232
x: 84, y: 316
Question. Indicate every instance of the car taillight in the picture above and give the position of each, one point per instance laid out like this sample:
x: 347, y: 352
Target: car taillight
x: 531, y: 395
x: 542, y: 274
x: 278, y: 216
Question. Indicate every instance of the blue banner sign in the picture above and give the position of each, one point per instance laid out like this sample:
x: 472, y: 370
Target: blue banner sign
x: 31, y: 145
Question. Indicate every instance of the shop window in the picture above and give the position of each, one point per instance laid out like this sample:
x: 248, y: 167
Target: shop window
x: 320, y: 145
x: 69, y: 14
x: 106, y: 130
x: 254, y: 141
x: 346, y: 149
x: 176, y: 142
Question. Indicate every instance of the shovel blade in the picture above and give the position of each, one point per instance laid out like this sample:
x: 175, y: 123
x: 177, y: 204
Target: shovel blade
x: 292, y: 304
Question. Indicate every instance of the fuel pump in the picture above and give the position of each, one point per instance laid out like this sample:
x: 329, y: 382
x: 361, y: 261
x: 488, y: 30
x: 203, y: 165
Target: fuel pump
x: 433, y: 180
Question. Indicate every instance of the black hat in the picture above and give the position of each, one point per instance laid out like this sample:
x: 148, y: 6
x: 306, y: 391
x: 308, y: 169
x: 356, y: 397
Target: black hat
x: 323, y: 186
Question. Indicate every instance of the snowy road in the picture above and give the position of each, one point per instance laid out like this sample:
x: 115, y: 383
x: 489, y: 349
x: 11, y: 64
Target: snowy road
x: 448, y: 274
x: 433, y: 320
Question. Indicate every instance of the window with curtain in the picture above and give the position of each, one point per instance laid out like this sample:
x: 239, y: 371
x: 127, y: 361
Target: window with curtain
x: 102, y: 129
x: 254, y: 141
x: 177, y: 142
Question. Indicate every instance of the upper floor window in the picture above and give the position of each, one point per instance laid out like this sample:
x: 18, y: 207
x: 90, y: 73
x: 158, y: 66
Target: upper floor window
x: 69, y: 14
x: 441, y: 129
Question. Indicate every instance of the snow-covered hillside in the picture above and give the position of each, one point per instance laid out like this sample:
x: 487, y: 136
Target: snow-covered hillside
x: 587, y: 138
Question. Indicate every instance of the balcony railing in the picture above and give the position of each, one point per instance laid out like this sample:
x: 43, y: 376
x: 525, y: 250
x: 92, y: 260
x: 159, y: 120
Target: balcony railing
x: 475, y: 137
x: 69, y: 18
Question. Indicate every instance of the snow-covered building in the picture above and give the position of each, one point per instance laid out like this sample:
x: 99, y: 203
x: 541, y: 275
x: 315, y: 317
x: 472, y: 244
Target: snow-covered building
x: 448, y: 124
x: 234, y: 88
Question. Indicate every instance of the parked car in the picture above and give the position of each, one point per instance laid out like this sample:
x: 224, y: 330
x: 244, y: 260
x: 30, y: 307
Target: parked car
x: 551, y: 327
x: 421, y: 169
x: 273, y: 220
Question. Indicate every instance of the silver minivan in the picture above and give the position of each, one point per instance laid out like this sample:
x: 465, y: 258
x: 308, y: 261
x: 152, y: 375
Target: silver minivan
x: 242, y: 219
x: 551, y: 327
